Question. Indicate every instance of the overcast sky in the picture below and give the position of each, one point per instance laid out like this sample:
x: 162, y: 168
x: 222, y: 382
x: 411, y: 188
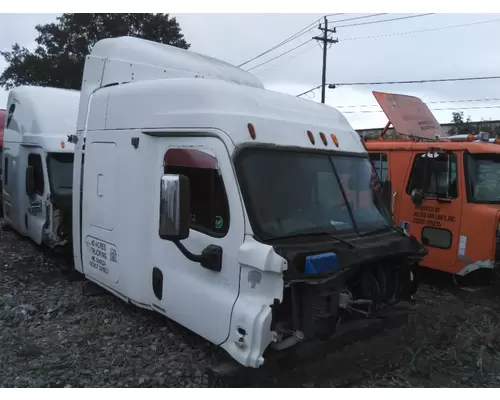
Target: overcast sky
x: 380, y: 52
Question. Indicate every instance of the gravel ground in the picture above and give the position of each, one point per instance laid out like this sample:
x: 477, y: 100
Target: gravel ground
x: 58, y: 331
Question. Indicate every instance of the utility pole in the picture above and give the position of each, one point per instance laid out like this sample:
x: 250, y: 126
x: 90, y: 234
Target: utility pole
x: 326, y: 40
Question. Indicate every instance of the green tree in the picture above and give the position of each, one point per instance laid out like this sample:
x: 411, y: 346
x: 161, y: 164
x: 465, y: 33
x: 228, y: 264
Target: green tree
x: 461, y: 126
x: 59, y: 56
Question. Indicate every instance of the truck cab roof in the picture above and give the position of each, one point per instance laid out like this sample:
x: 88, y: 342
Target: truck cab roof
x: 192, y: 103
x: 138, y: 84
x: 42, y: 116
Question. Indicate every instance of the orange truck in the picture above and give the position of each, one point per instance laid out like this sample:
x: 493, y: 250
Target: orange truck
x: 444, y: 190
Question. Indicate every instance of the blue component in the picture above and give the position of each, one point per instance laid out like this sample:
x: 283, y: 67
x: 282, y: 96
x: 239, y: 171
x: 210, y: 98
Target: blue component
x: 321, y: 263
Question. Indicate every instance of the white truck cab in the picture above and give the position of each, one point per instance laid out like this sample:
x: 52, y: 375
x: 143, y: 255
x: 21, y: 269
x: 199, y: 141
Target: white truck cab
x: 37, y: 163
x: 251, y: 217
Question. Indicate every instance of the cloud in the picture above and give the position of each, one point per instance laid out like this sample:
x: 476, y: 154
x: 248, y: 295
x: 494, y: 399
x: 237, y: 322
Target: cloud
x: 439, y: 53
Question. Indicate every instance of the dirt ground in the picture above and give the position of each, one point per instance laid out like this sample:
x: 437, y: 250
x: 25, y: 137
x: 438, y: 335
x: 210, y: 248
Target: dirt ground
x: 53, y: 333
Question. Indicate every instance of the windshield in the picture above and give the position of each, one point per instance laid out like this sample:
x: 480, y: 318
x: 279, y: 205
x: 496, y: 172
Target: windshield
x: 484, y: 177
x: 289, y: 193
x: 60, y: 169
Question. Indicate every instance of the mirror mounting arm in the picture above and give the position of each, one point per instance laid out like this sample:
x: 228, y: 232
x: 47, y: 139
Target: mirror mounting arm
x: 210, y: 258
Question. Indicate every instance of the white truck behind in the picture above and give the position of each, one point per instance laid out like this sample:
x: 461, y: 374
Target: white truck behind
x: 37, y: 163
x: 251, y: 217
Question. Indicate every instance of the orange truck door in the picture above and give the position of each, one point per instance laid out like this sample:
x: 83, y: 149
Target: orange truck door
x: 435, y: 219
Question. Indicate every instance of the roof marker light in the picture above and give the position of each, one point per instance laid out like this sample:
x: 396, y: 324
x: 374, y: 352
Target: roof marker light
x: 323, y: 138
x: 251, y: 130
x: 335, y: 140
x: 311, y: 137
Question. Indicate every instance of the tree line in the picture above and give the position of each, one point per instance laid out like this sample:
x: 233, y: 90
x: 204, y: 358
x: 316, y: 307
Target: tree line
x: 62, y: 46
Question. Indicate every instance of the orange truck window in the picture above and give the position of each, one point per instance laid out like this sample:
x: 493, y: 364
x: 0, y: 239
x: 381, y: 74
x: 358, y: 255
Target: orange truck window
x: 436, y: 177
x: 379, y: 161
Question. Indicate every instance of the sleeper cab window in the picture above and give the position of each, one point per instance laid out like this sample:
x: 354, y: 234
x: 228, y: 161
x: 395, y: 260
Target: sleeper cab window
x: 436, y: 177
x: 209, y: 206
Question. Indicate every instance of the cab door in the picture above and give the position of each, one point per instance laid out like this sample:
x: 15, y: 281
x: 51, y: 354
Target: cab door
x: 191, y: 294
x: 432, y: 205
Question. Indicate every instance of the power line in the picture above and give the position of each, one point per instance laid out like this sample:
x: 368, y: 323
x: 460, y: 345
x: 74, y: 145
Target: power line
x: 289, y: 59
x: 385, y: 20
x: 308, y: 28
x: 433, y: 109
x: 477, y: 78
x: 394, y: 34
x: 422, y: 30
x: 305, y: 30
x: 280, y: 55
x: 355, y: 18
x: 308, y: 91
x: 427, y: 102
x: 401, y: 82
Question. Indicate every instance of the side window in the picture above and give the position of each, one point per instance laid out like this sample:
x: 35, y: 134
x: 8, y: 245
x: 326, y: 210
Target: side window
x: 35, y: 161
x: 435, y: 176
x: 379, y: 161
x: 10, y: 114
x: 208, y: 199
x: 436, y: 237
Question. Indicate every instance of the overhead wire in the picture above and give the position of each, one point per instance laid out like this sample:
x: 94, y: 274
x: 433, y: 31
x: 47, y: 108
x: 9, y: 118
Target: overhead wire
x: 360, y: 38
x: 303, y: 31
x: 288, y: 59
x: 280, y: 55
x: 366, y: 16
x: 308, y: 28
x: 385, y: 20
x: 402, y: 82
x: 427, y: 102
x: 474, y: 78
x: 354, y: 18
x: 432, y: 109
x: 421, y: 30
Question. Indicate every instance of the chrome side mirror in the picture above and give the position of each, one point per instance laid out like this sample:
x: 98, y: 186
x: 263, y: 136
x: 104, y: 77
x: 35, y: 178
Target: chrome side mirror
x: 405, y: 226
x: 417, y: 197
x: 174, y: 207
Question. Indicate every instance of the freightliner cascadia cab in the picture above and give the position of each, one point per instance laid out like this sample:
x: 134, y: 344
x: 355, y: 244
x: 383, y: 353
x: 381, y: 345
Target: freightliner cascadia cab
x: 253, y: 218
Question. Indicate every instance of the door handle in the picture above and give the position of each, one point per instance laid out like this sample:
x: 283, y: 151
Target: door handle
x: 393, y: 201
